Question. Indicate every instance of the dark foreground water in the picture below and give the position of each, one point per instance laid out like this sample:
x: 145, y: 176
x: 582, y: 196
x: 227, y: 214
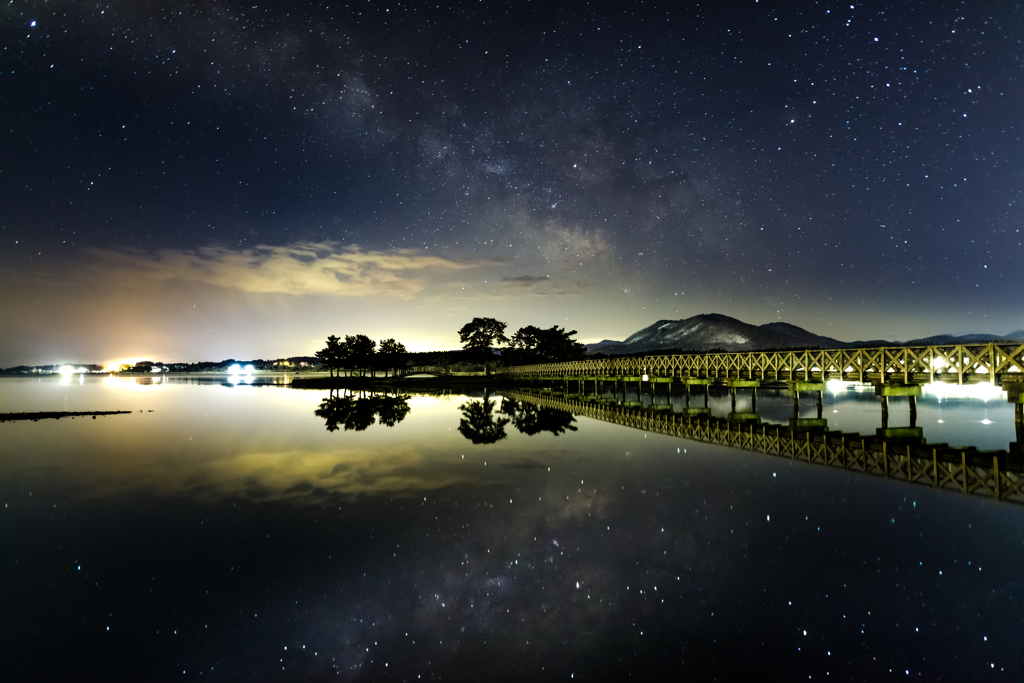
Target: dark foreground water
x: 229, y: 535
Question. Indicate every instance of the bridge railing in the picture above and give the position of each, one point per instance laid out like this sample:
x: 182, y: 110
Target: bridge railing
x: 997, y: 363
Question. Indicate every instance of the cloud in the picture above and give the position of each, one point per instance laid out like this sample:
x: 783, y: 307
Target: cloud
x: 298, y: 269
x: 525, y: 280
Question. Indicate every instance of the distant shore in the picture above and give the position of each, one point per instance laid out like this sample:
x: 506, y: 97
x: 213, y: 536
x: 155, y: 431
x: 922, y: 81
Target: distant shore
x: 414, y: 383
x: 10, y: 417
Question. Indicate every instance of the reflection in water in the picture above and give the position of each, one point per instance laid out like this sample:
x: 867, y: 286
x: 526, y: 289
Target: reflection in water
x: 478, y: 423
x: 530, y: 418
x: 357, y: 413
x: 901, y: 453
x: 227, y: 535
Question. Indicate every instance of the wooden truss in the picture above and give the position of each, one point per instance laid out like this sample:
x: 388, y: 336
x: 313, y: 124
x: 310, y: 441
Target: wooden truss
x: 960, y: 364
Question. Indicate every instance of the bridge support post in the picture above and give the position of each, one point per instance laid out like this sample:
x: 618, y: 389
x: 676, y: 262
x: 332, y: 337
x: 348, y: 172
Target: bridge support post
x: 885, y: 412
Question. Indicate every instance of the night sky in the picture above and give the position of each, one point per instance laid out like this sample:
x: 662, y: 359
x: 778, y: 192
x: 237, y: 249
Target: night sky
x: 203, y: 180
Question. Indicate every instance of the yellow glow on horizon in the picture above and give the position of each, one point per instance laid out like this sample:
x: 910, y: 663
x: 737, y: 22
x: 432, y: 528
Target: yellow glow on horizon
x: 115, y: 365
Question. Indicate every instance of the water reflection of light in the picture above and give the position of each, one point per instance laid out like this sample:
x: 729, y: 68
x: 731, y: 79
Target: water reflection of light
x: 133, y: 383
x: 986, y: 421
x: 985, y: 391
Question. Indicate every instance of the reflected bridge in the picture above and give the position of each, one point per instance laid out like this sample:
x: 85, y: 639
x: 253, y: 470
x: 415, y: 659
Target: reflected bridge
x: 901, y: 457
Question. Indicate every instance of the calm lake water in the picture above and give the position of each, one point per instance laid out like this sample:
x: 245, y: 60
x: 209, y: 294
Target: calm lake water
x: 229, y: 531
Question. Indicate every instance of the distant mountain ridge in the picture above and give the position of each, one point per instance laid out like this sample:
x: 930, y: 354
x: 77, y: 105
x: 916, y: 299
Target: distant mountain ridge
x: 715, y: 331
x: 1017, y: 335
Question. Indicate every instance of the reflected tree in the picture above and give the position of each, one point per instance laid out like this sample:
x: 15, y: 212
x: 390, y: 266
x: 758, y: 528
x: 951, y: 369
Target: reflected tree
x: 529, y: 418
x: 392, y: 409
x: 479, y: 424
x: 359, y: 413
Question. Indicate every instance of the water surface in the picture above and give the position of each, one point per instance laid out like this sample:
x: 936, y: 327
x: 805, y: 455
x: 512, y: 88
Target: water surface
x: 226, y: 531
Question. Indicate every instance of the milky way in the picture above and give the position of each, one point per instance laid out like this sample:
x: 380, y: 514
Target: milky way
x: 853, y: 168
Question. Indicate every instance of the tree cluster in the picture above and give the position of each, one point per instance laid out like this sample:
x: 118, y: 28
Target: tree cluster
x: 360, y: 354
x: 529, y: 344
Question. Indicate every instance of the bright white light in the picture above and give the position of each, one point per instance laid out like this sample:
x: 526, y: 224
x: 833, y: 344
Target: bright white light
x: 984, y: 391
x: 235, y: 369
x: 837, y: 386
x: 938, y: 363
x: 986, y: 421
x: 249, y: 369
x: 156, y: 368
x: 66, y: 370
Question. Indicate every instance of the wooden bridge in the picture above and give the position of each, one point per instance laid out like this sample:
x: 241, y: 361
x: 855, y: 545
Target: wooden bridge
x: 999, y: 364
x: 894, y: 370
x: 998, y: 474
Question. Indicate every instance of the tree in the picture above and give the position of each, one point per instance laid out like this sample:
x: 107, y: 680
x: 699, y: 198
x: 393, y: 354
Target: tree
x: 555, y: 344
x: 360, y: 352
x: 391, y: 354
x: 331, y: 355
x: 481, y: 334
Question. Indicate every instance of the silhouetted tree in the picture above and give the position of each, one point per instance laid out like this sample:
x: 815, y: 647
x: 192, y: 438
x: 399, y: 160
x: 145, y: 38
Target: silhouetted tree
x: 481, y: 334
x: 531, y: 344
x: 331, y: 355
x: 360, y: 352
x: 391, y: 355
